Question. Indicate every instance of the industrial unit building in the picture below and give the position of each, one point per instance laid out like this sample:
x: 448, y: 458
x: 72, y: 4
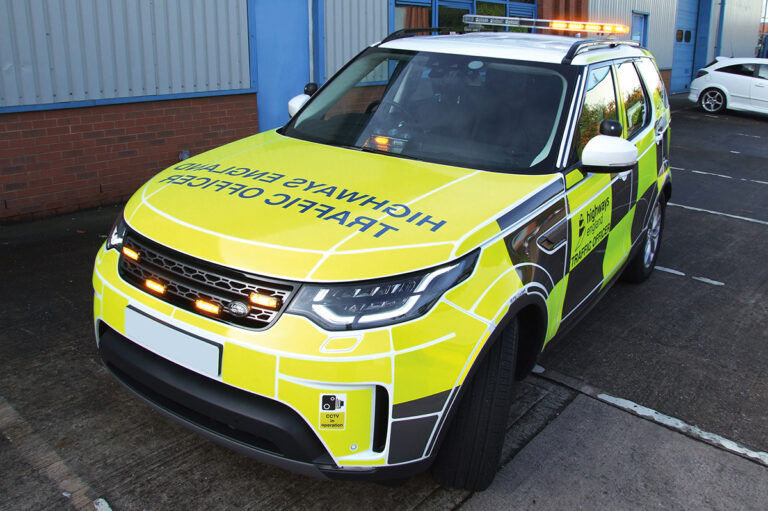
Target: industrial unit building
x: 98, y: 95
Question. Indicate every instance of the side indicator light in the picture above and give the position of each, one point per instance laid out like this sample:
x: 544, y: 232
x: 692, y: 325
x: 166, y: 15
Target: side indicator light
x: 130, y: 253
x: 205, y: 306
x: 266, y: 301
x: 155, y: 286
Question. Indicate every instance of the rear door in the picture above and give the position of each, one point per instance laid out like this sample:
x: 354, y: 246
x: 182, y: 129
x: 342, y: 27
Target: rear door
x: 638, y: 129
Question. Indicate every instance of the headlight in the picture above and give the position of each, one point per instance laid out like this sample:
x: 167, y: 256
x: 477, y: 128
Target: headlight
x: 116, y: 235
x: 376, y: 303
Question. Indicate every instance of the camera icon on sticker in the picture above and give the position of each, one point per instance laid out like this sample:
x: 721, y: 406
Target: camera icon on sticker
x: 331, y: 402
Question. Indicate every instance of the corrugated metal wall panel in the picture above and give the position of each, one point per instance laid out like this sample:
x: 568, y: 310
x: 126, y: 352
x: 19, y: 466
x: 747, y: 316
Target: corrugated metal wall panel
x: 741, y: 28
x: 661, y: 22
x: 54, y: 51
x: 350, y: 26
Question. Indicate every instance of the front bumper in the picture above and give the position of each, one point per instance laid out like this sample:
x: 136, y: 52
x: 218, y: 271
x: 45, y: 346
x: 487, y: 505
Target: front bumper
x: 261, y: 428
x: 262, y: 394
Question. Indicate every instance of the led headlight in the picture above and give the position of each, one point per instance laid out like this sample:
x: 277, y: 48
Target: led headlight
x: 370, y: 304
x: 116, y: 235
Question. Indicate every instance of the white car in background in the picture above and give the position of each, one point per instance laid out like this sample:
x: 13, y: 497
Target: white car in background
x: 733, y: 83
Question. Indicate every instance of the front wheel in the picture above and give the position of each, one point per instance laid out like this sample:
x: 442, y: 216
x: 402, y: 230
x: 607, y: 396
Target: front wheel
x: 642, y: 264
x: 469, y: 456
x: 712, y: 101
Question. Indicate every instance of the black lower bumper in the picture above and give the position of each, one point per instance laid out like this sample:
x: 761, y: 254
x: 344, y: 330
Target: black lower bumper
x: 259, y: 427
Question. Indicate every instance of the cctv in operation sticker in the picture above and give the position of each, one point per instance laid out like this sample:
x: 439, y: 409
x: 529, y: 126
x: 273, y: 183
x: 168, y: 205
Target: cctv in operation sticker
x: 333, y: 409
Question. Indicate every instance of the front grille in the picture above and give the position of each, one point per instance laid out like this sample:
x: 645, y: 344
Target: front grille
x: 187, y: 279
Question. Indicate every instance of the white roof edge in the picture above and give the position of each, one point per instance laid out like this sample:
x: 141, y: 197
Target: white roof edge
x: 509, y: 45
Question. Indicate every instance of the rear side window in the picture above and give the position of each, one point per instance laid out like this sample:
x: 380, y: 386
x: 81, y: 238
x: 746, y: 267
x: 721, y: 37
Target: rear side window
x: 599, y: 104
x: 738, y: 69
x: 634, y: 99
x: 653, y: 83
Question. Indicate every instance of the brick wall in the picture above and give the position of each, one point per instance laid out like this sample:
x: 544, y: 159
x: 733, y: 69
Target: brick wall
x: 56, y: 161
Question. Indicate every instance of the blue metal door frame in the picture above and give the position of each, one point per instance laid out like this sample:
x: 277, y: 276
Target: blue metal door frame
x: 279, y: 56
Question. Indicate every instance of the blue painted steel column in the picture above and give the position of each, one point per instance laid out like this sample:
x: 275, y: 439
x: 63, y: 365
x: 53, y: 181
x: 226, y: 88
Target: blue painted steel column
x: 279, y: 56
x: 719, y: 44
x: 702, y: 34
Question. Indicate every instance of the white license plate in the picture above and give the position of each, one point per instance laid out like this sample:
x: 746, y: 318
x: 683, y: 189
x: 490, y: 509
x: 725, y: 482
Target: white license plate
x: 190, y: 351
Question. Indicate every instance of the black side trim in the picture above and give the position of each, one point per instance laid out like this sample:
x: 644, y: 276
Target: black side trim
x: 421, y: 406
x: 258, y: 424
x: 409, y: 438
x: 530, y: 205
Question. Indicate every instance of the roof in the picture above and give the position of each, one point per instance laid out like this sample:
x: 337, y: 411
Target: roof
x: 507, y: 45
x: 722, y: 61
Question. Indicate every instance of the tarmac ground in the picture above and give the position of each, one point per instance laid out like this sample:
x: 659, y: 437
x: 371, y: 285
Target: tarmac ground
x: 657, y: 399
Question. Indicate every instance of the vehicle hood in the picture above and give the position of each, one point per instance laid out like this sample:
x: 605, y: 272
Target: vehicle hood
x: 289, y: 208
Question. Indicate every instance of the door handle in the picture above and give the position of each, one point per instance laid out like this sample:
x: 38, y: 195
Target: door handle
x: 551, y: 241
x: 759, y: 85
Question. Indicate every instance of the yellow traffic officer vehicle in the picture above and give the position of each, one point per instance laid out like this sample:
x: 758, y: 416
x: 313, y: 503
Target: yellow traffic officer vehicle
x: 355, y: 294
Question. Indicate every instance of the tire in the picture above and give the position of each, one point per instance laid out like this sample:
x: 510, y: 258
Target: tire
x: 712, y: 101
x: 642, y: 264
x: 469, y: 456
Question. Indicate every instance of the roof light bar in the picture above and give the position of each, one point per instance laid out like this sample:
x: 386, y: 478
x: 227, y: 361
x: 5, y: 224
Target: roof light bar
x: 570, y: 26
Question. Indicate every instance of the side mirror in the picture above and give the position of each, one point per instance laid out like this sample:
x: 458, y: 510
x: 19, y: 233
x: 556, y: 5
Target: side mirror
x: 296, y: 102
x: 310, y: 89
x: 611, y: 128
x: 606, y: 154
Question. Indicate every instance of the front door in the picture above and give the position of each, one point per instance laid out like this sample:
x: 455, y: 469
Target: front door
x: 760, y: 88
x: 591, y: 197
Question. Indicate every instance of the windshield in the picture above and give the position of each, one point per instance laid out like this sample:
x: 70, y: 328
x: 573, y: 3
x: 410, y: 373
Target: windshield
x: 476, y: 112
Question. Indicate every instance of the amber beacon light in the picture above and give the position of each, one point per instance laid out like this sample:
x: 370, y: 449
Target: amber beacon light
x: 567, y: 25
x: 155, y: 286
x: 130, y: 253
x: 266, y: 301
x: 206, y: 306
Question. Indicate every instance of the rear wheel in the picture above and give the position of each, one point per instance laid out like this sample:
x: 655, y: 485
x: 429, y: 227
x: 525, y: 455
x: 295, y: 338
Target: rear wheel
x: 642, y: 264
x: 712, y: 101
x: 469, y: 456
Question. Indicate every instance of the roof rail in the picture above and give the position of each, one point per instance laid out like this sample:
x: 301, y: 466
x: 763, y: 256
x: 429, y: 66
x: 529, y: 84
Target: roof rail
x: 593, y: 44
x: 411, y: 32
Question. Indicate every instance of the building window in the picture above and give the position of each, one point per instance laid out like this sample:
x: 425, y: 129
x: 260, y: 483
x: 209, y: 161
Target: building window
x: 640, y: 28
x: 412, y: 16
x: 449, y: 13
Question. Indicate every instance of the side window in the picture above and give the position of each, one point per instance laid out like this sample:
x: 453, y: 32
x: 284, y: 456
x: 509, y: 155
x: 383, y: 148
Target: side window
x: 738, y: 69
x: 653, y: 83
x: 635, y: 102
x: 763, y: 72
x: 599, y: 104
